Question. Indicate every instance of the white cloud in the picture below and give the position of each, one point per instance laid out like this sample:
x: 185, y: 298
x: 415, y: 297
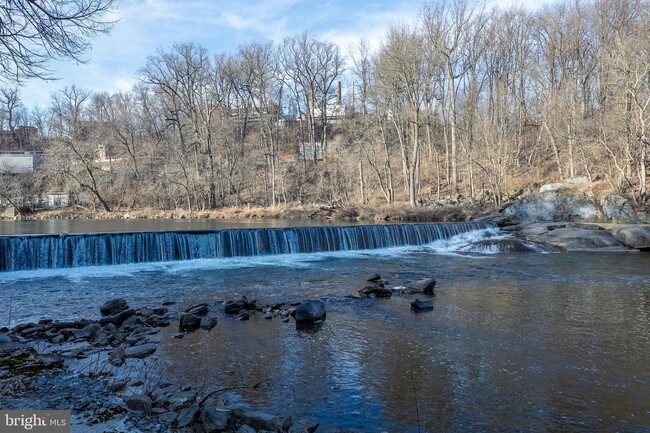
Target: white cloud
x: 146, y: 26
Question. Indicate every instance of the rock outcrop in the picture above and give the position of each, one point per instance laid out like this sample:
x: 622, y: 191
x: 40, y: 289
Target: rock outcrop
x: 554, y: 206
x: 633, y: 237
x: 617, y: 208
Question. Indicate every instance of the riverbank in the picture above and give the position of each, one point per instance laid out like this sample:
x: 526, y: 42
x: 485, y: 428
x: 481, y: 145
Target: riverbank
x: 396, y: 212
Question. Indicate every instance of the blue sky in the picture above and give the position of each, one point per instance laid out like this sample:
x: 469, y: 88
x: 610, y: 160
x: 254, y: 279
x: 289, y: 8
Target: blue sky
x: 146, y: 26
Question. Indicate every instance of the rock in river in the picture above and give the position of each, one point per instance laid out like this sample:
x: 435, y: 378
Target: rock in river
x: 214, y: 417
x: 418, y: 305
x: 377, y: 290
x: 189, y: 322
x: 140, y: 351
x: 634, y: 237
x: 113, y: 307
x: 425, y: 286
x: 310, y: 312
x: 208, y: 322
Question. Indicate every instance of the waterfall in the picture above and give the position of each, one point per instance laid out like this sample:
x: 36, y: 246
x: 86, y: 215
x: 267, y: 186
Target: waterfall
x: 27, y: 252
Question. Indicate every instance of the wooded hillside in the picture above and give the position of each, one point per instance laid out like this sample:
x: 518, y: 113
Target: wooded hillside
x: 470, y: 103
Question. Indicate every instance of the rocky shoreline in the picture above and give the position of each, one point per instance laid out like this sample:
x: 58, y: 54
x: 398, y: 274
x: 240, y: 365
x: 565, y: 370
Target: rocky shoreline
x: 104, y: 369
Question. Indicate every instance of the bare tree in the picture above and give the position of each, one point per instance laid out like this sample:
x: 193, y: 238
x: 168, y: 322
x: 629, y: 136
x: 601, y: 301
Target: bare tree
x: 33, y: 32
x: 404, y: 72
x: 75, y: 149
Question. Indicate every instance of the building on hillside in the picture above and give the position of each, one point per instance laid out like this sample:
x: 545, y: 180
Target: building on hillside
x: 18, y: 152
x: 20, y: 138
x: 55, y: 200
x: 333, y: 111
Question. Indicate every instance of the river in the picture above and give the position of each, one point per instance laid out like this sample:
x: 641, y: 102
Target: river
x: 516, y: 342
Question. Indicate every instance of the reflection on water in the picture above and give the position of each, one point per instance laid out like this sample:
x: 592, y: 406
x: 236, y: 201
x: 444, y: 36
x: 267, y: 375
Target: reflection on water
x: 554, y: 342
x: 56, y: 226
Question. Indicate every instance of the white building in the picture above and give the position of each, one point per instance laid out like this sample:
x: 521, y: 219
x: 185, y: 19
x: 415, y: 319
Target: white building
x: 16, y: 162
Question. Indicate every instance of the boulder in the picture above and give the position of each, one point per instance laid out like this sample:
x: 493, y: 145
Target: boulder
x: 634, y: 237
x: 198, y: 310
x: 140, y: 351
x: 264, y: 421
x: 374, y: 279
x: 506, y: 246
x: 377, y: 290
x: 208, y: 322
x: 139, y: 402
x: 243, y: 316
x: 246, y: 429
x: 576, y: 239
x: 424, y: 286
x: 145, y: 311
x: 618, y: 209
x: 214, y: 417
x: 189, y: 322
x: 117, y: 319
x: 233, y: 307
x: 114, y: 306
x: 188, y: 415
x: 87, y: 333
x: 132, y: 321
x: 418, y: 305
x: 310, y: 312
x: 554, y: 206
x: 567, y: 184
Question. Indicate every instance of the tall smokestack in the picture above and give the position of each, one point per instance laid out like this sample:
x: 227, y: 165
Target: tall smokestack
x: 338, y: 92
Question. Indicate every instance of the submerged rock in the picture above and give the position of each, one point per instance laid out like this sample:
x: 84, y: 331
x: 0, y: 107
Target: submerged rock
x: 310, y: 312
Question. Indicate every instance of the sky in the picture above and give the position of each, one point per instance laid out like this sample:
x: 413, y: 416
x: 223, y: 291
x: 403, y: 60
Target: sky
x: 144, y: 27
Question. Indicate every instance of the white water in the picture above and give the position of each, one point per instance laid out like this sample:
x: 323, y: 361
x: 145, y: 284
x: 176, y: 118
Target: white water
x: 449, y: 246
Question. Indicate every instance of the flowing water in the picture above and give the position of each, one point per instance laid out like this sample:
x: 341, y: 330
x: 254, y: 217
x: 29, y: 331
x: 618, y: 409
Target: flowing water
x: 516, y: 342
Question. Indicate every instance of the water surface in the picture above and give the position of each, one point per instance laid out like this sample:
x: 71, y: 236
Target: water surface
x: 516, y: 342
